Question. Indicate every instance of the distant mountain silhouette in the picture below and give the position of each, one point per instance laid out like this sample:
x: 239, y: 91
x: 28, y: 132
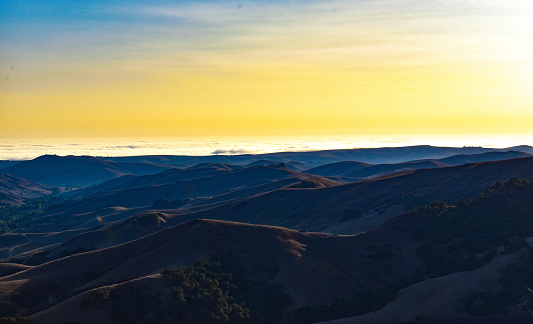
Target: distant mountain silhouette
x: 483, y: 157
x: 351, y: 171
x: 77, y: 171
x: 7, y: 163
x: 359, y: 171
x: 294, y: 165
x: 317, y: 158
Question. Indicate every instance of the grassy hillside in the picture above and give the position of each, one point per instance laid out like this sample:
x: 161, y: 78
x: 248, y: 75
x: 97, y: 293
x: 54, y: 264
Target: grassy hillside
x: 77, y: 171
x: 324, y: 276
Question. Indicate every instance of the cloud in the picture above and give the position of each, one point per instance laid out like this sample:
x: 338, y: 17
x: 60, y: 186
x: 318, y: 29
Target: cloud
x: 232, y: 151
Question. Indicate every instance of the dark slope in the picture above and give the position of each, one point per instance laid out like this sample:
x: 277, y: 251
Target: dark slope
x: 77, y: 171
x: 366, y: 270
x: 14, y: 190
x: 361, y: 170
x: 315, y: 210
x: 455, y: 244
x: 7, y: 163
x: 484, y: 157
x: 316, y: 158
x: 386, y: 169
x: 293, y: 165
x: 343, y: 168
x: 378, y: 199
x: 283, y: 257
x: 234, y: 185
x: 127, y: 230
x: 171, y: 175
x: 358, y: 170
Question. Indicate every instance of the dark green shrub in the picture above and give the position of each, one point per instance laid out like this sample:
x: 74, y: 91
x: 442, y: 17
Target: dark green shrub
x: 217, y: 292
x: 15, y: 320
x: 6, y: 310
x: 480, y: 304
x: 515, y: 244
x: 306, y: 184
x: 351, y: 213
x: 163, y: 203
x: 130, y: 304
x: 38, y: 258
x: 147, y: 219
x: 79, y: 249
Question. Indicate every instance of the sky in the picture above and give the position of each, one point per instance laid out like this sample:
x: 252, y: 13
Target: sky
x: 210, y: 68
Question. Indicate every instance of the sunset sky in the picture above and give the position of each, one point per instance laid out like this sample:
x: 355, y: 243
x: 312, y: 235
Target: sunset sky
x: 185, y: 68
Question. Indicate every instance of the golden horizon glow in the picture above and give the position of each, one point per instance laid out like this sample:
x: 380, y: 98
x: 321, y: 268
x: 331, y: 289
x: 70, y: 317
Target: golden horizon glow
x: 320, y: 68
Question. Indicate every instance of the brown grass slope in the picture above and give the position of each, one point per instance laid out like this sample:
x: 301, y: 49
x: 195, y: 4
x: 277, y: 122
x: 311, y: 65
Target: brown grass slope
x: 314, y: 210
x: 194, y: 188
x: 379, y: 199
x: 84, y: 221
x: 117, y: 232
x: 315, y: 268
x: 15, y: 190
x: 440, y: 298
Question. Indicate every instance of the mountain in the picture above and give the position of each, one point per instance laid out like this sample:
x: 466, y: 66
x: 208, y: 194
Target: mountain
x: 220, y: 188
x: 350, y: 171
x: 445, y: 262
x: 358, y: 170
x: 344, y: 209
x: 344, y: 168
x: 379, y: 199
x: 167, y: 176
x: 286, y: 258
x: 83, y: 171
x: 77, y: 171
x: 382, y: 155
x: 294, y: 165
x: 483, y: 157
x: 15, y: 190
x: 7, y: 163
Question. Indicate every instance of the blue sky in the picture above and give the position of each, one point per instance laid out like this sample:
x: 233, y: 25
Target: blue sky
x: 420, y: 62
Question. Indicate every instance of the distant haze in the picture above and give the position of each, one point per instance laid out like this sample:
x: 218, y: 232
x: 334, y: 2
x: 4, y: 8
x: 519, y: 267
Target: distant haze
x: 16, y: 149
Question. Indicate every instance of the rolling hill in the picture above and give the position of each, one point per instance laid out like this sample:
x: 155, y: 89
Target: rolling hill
x: 414, y: 240
x: 322, y: 209
x: 316, y: 158
x: 378, y: 199
x: 15, y: 190
x: 216, y: 189
x: 381, y: 273
x: 77, y: 171
x: 351, y: 171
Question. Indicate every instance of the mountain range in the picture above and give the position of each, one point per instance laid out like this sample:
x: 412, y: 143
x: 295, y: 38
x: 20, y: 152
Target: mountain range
x: 413, y: 234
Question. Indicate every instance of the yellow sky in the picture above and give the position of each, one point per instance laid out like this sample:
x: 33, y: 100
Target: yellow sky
x: 274, y: 69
